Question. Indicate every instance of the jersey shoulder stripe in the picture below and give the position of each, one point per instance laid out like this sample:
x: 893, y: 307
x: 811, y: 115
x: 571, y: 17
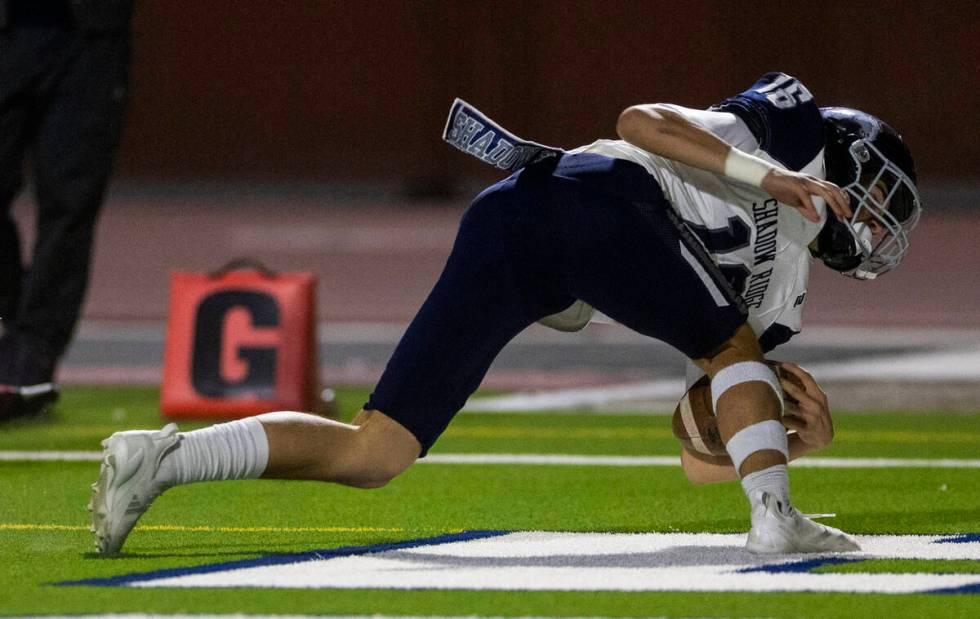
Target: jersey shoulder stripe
x: 781, y: 114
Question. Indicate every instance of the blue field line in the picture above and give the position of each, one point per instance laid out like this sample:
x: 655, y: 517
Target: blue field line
x: 280, y: 559
x: 970, y: 589
x: 959, y: 538
x: 800, y: 566
x: 808, y: 565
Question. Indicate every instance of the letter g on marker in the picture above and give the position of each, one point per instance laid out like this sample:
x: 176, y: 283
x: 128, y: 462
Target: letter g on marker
x: 209, y: 375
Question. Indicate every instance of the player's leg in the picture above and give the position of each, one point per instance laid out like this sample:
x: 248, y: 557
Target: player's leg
x: 746, y: 394
x: 634, y: 261
x: 138, y: 466
x: 368, y: 453
x: 496, y: 282
x: 748, y: 404
x: 501, y: 276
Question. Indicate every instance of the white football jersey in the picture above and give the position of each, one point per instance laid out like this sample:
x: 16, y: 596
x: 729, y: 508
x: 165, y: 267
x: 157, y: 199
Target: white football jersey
x: 759, y: 245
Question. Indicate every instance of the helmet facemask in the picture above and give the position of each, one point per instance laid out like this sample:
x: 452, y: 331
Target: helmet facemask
x: 896, y: 212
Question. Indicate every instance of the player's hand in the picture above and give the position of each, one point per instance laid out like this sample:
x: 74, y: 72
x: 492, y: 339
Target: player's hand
x: 810, y: 415
x: 795, y: 190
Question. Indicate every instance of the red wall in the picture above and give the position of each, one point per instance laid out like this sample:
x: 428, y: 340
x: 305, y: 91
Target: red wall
x: 323, y: 91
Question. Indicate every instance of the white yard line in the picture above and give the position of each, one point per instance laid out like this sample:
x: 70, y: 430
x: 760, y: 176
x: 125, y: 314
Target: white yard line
x: 561, y: 460
x: 572, y: 460
x: 50, y: 456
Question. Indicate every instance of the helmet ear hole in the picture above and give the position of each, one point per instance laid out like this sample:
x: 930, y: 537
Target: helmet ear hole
x: 860, y: 151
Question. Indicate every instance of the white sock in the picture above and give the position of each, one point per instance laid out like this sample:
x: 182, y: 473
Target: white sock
x: 234, y: 450
x: 774, y: 480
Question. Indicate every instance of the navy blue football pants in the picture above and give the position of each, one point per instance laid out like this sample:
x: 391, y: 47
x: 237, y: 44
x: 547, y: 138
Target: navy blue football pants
x: 583, y: 227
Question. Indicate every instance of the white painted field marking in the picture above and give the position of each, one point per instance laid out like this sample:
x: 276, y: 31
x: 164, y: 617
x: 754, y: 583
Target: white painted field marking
x: 50, y: 456
x: 550, y: 561
x: 883, y: 463
x: 564, y: 460
x: 573, y: 460
x: 553, y: 460
x: 931, y: 366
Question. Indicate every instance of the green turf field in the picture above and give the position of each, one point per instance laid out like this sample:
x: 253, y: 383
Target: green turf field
x: 44, y: 535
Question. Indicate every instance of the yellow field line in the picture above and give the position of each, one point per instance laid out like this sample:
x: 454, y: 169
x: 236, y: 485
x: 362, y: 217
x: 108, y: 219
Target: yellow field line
x: 204, y: 528
x: 42, y: 527
x: 208, y: 529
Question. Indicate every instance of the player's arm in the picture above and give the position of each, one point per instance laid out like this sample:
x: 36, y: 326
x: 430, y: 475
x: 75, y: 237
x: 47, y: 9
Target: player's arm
x: 810, y: 418
x: 662, y: 131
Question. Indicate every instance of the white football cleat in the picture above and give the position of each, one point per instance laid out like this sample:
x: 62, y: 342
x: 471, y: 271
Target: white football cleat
x: 127, y: 483
x: 778, y: 528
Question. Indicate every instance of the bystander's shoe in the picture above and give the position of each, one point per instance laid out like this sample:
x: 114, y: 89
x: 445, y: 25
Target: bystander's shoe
x: 26, y: 401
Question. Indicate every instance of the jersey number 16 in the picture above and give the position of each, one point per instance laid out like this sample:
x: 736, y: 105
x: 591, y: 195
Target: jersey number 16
x: 786, y: 92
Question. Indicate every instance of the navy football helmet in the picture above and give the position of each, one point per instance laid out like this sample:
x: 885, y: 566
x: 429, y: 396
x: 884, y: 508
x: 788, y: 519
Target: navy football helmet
x: 863, y: 154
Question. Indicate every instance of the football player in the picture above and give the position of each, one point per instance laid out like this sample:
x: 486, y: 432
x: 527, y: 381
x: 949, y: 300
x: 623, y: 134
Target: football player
x: 695, y: 228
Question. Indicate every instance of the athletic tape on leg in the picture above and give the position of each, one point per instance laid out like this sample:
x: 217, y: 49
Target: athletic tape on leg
x: 744, y: 372
x: 757, y: 437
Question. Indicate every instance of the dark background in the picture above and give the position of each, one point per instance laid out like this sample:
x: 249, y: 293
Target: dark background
x: 277, y: 91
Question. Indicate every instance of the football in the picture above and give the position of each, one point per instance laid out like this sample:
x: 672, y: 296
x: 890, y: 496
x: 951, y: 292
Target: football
x: 694, y: 422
